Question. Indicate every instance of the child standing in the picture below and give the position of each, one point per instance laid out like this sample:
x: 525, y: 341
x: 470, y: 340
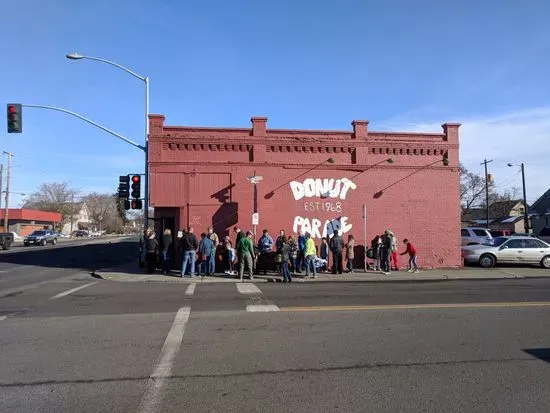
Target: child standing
x: 231, y: 257
x: 411, y: 250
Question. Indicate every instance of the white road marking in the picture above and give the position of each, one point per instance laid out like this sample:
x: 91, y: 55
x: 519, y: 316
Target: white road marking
x: 191, y: 289
x: 3, y: 317
x: 262, y: 308
x: 14, y: 268
x: 72, y: 290
x: 248, y: 288
x: 152, y: 398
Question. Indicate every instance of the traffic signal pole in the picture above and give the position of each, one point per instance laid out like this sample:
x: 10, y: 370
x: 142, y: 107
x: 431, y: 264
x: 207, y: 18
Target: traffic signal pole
x: 91, y: 122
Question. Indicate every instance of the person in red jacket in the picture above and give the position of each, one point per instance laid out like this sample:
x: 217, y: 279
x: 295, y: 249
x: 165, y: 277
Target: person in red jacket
x: 411, y: 250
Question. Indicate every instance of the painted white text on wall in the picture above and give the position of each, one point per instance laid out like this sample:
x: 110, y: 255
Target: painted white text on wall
x: 322, y: 188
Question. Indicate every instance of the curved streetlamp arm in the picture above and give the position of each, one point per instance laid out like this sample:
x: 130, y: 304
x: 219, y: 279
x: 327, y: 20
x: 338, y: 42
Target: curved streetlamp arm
x: 114, y: 64
x: 91, y: 122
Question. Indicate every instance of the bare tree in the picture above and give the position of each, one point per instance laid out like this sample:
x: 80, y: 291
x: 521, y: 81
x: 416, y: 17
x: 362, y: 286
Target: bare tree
x: 472, y: 189
x: 104, y: 211
x: 53, y: 197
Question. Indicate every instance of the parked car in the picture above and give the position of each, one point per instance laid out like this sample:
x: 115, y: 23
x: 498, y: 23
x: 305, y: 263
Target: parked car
x: 80, y: 233
x: 6, y: 240
x: 509, y: 250
x: 41, y: 237
x: 500, y: 233
x: 545, y: 234
x: 474, y: 235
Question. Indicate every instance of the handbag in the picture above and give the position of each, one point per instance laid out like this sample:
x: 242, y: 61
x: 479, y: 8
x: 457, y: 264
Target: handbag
x: 279, y: 258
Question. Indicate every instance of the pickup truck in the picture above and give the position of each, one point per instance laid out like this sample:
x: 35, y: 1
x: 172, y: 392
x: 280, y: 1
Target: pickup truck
x: 6, y: 240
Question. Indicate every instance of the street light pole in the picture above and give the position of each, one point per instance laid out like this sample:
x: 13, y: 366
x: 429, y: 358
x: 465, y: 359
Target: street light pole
x: 145, y: 79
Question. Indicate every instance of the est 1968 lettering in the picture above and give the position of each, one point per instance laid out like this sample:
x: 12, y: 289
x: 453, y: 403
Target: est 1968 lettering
x: 323, y: 206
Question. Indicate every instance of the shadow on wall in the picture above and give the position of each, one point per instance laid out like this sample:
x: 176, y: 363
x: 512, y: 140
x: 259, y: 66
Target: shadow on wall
x: 224, y: 194
x: 88, y: 257
x: 444, y: 161
x: 225, y: 218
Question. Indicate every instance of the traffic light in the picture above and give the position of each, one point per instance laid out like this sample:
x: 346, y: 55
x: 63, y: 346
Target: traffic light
x: 136, y: 204
x: 124, y: 186
x: 136, y: 186
x: 15, y: 118
x: 127, y: 205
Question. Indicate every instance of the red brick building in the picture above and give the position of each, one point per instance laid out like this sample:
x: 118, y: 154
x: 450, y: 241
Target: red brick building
x: 23, y: 221
x: 313, y: 180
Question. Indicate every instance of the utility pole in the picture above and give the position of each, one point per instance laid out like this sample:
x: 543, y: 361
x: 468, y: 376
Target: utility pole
x: 1, y: 182
x: 525, y: 207
x: 485, y: 162
x: 72, y: 213
x: 6, y: 227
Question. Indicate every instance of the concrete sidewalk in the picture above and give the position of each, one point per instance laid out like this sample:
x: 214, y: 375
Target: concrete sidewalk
x: 130, y: 272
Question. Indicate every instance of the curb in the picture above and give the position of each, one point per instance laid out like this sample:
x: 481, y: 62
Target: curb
x: 158, y: 278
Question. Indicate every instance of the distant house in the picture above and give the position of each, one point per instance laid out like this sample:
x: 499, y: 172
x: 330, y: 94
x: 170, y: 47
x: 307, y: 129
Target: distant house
x: 23, y: 221
x: 540, y: 213
x: 504, y: 215
x: 79, y: 221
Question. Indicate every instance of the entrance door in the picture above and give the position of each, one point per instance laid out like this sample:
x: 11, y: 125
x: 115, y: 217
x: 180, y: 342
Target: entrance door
x: 162, y: 224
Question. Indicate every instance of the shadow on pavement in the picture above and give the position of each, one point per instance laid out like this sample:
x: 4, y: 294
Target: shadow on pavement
x: 90, y: 257
x: 540, y: 353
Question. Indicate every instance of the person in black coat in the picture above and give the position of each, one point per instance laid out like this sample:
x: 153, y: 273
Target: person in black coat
x: 337, y: 247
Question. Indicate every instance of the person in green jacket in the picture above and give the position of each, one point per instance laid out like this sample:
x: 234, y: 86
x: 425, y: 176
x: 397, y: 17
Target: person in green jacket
x: 245, y: 249
x: 310, y: 253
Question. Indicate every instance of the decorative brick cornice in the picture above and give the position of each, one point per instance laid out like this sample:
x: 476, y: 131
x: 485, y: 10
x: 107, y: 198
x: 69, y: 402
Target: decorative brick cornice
x: 212, y: 147
x: 309, y: 148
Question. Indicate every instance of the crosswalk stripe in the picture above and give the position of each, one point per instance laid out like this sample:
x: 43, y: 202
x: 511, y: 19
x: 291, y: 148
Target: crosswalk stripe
x: 248, y: 288
x: 262, y: 308
x: 190, y: 289
x: 72, y: 290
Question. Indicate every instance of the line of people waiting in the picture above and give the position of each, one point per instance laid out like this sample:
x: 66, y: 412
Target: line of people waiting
x: 286, y: 255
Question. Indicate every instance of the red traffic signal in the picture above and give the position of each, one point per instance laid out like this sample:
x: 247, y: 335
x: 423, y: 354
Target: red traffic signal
x: 15, y: 118
x: 136, y: 186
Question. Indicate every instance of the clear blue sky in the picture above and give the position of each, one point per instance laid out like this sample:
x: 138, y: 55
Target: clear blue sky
x: 302, y: 63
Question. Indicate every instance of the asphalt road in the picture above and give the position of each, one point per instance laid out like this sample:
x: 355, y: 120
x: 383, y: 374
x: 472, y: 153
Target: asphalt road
x: 71, y: 342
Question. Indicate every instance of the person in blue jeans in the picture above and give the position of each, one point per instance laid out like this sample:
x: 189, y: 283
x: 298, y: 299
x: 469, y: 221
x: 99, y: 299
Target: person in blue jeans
x: 189, y: 245
x: 205, y: 251
x: 285, y: 252
x: 215, y: 241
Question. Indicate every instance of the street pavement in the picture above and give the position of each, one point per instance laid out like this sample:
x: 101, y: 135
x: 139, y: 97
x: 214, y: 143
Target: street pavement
x: 72, y: 342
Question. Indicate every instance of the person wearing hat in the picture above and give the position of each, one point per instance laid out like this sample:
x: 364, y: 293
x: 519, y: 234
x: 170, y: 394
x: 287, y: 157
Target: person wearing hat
x: 245, y: 249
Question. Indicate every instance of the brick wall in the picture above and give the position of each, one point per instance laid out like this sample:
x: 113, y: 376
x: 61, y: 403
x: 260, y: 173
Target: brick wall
x: 203, y: 173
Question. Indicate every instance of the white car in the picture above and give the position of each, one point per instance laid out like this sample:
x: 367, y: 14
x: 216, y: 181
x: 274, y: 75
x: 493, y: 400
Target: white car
x: 475, y: 235
x: 509, y: 250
